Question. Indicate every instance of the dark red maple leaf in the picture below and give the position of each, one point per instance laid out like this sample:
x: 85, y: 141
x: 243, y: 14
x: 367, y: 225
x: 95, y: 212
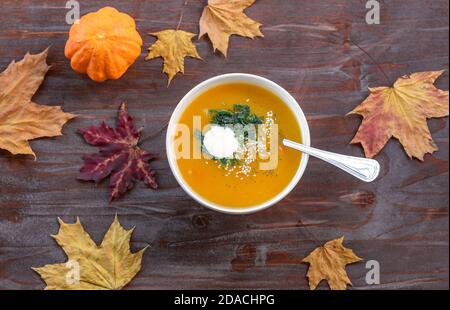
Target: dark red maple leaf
x: 119, y: 156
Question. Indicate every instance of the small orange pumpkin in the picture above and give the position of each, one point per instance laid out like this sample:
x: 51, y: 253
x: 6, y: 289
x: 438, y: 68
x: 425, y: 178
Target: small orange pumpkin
x: 103, y: 44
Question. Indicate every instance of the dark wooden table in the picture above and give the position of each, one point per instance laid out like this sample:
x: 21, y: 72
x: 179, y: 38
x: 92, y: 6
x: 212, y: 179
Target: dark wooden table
x: 309, y: 48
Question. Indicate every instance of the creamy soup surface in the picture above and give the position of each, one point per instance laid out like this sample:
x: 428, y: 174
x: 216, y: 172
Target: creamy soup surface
x: 222, y: 184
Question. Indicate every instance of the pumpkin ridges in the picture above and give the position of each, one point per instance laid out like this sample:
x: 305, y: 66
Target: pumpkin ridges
x: 104, y: 44
x: 111, y: 69
x: 80, y: 60
x: 75, y: 54
x: 70, y: 50
x: 128, y: 51
x: 118, y: 50
x: 96, y: 67
x: 82, y: 32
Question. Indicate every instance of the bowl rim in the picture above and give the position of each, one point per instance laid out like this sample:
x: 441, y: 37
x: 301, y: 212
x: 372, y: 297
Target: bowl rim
x: 260, y: 81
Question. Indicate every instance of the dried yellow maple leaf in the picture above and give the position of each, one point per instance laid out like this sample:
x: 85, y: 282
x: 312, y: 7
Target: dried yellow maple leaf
x: 223, y: 18
x: 402, y: 111
x: 20, y: 119
x: 109, y: 266
x: 328, y: 263
x: 173, y: 46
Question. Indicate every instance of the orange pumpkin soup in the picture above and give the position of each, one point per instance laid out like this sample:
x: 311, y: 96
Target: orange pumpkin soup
x: 232, y: 183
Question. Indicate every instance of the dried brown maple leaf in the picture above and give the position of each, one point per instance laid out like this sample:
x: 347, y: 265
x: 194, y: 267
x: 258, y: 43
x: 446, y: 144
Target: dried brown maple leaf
x: 223, y: 18
x: 120, y: 156
x: 328, y: 263
x: 20, y: 119
x: 402, y: 111
x: 109, y: 266
x: 173, y: 46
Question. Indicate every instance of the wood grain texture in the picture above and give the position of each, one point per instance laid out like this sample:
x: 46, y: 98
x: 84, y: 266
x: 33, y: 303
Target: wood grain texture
x: 401, y: 220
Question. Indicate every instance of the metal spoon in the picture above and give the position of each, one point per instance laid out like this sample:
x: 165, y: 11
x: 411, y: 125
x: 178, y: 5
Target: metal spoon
x: 363, y: 168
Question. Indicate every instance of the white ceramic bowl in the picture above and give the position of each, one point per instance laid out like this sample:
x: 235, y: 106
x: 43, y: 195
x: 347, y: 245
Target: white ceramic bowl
x: 225, y: 79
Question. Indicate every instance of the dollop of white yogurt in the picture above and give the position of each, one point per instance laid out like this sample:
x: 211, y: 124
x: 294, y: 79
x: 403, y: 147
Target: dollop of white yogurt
x: 220, y: 142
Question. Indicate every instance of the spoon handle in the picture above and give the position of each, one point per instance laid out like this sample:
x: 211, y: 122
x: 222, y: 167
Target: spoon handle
x: 363, y: 168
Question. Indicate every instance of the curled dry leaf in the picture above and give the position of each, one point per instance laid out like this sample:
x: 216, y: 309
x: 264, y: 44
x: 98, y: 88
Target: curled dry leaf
x: 328, y: 263
x: 173, y: 46
x: 223, y: 18
x: 20, y: 119
x: 401, y: 112
x: 109, y: 266
x: 120, y: 156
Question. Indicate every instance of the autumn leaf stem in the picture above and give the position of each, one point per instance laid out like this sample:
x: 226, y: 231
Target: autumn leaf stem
x: 154, y: 134
x: 308, y: 232
x: 182, y: 13
x: 374, y: 61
